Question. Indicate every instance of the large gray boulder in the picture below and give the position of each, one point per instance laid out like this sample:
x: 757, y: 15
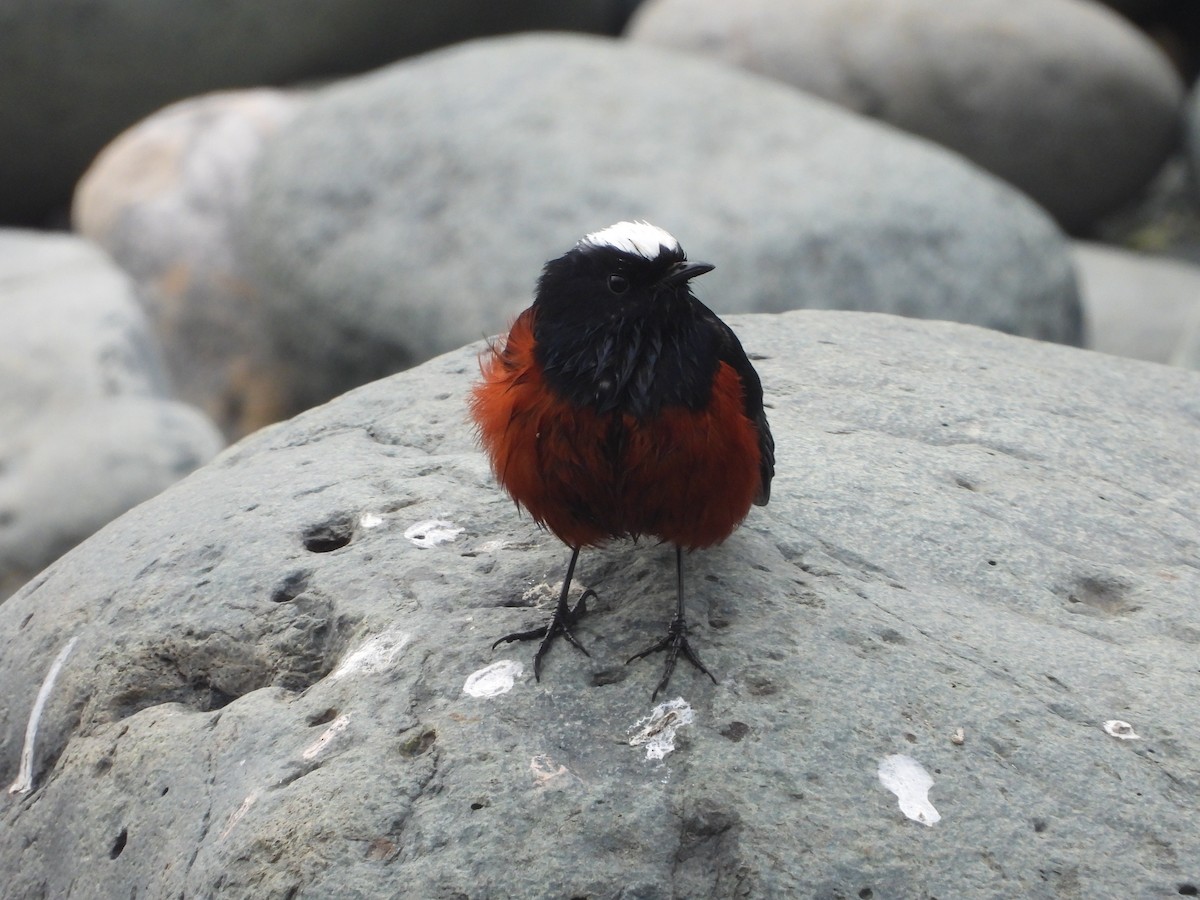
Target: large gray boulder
x: 77, y: 72
x: 160, y: 199
x: 403, y: 213
x: 1062, y: 98
x: 275, y: 679
x: 87, y: 428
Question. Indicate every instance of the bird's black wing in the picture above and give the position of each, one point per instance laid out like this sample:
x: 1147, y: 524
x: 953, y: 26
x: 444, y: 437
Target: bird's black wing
x: 729, y: 350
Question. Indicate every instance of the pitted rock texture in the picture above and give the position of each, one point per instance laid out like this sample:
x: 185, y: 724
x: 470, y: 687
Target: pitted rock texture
x: 979, y: 549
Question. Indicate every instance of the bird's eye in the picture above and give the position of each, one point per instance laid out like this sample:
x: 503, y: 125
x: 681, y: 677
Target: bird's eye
x: 618, y: 284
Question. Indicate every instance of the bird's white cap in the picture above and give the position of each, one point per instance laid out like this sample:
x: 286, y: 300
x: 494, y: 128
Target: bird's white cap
x: 639, y: 238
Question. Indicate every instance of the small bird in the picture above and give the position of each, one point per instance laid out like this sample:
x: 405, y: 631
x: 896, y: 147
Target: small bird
x: 620, y: 406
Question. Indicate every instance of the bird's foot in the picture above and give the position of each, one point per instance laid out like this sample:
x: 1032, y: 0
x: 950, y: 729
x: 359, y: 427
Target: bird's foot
x: 675, y: 643
x: 560, y: 623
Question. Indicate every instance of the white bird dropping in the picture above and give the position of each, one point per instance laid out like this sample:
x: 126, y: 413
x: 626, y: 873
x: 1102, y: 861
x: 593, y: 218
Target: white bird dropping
x: 908, y: 780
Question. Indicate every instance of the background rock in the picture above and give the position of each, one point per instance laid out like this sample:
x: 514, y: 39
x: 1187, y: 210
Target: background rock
x: 1135, y: 7
x: 1187, y: 353
x: 1137, y: 305
x: 77, y: 72
x: 1165, y: 219
x: 86, y: 428
x: 1192, y: 138
x: 405, y: 212
x: 968, y: 531
x: 1172, y: 24
x: 1062, y: 98
x: 161, y: 199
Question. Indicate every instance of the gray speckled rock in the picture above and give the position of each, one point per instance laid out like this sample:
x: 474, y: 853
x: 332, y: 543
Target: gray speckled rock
x: 1137, y: 305
x: 77, y: 72
x: 161, y: 199
x: 979, y: 550
x: 1062, y: 98
x: 406, y: 212
x: 86, y: 428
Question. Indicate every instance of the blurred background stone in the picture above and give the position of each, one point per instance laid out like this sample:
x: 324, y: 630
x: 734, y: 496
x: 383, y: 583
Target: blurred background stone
x: 1062, y: 98
x: 409, y: 211
x: 162, y: 199
x: 1137, y: 305
x: 78, y: 72
x: 1172, y: 24
x: 87, y: 430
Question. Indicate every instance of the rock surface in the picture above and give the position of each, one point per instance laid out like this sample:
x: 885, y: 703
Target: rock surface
x: 1137, y: 305
x: 979, y: 550
x: 162, y: 199
x: 78, y: 72
x: 407, y: 212
x: 86, y: 428
x: 1062, y: 98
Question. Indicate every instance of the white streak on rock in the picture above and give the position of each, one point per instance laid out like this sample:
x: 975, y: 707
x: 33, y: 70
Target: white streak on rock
x: 657, y: 730
x: 493, y: 680
x: 370, y: 520
x: 239, y: 813
x: 432, y: 532
x: 24, y: 782
x: 545, y: 770
x: 908, y: 780
x: 336, y: 727
x: 374, y: 655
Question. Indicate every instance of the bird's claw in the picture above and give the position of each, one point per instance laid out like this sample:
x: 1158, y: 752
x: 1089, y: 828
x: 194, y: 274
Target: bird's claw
x: 560, y: 624
x: 674, y: 643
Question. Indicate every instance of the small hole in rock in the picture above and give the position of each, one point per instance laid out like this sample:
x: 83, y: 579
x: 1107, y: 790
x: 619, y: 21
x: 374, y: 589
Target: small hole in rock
x: 329, y: 536
x: 323, y: 718
x: 290, y: 588
x: 866, y: 894
x: 478, y: 804
x: 119, y: 844
x: 991, y: 562
x: 1039, y: 825
x: 609, y: 676
x: 164, y: 791
x: 735, y: 731
x: 418, y: 743
x: 1189, y: 890
x: 760, y: 686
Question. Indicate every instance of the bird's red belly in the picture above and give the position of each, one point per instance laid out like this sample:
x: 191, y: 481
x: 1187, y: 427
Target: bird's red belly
x: 684, y: 476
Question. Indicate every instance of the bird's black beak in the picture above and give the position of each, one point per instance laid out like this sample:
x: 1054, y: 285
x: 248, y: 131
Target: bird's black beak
x: 683, y: 272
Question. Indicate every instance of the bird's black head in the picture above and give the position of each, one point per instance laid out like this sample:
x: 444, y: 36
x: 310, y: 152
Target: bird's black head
x: 625, y: 269
x: 616, y: 325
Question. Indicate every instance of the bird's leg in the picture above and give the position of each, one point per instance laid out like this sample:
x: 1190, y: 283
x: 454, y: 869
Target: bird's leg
x: 560, y: 623
x: 676, y: 641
